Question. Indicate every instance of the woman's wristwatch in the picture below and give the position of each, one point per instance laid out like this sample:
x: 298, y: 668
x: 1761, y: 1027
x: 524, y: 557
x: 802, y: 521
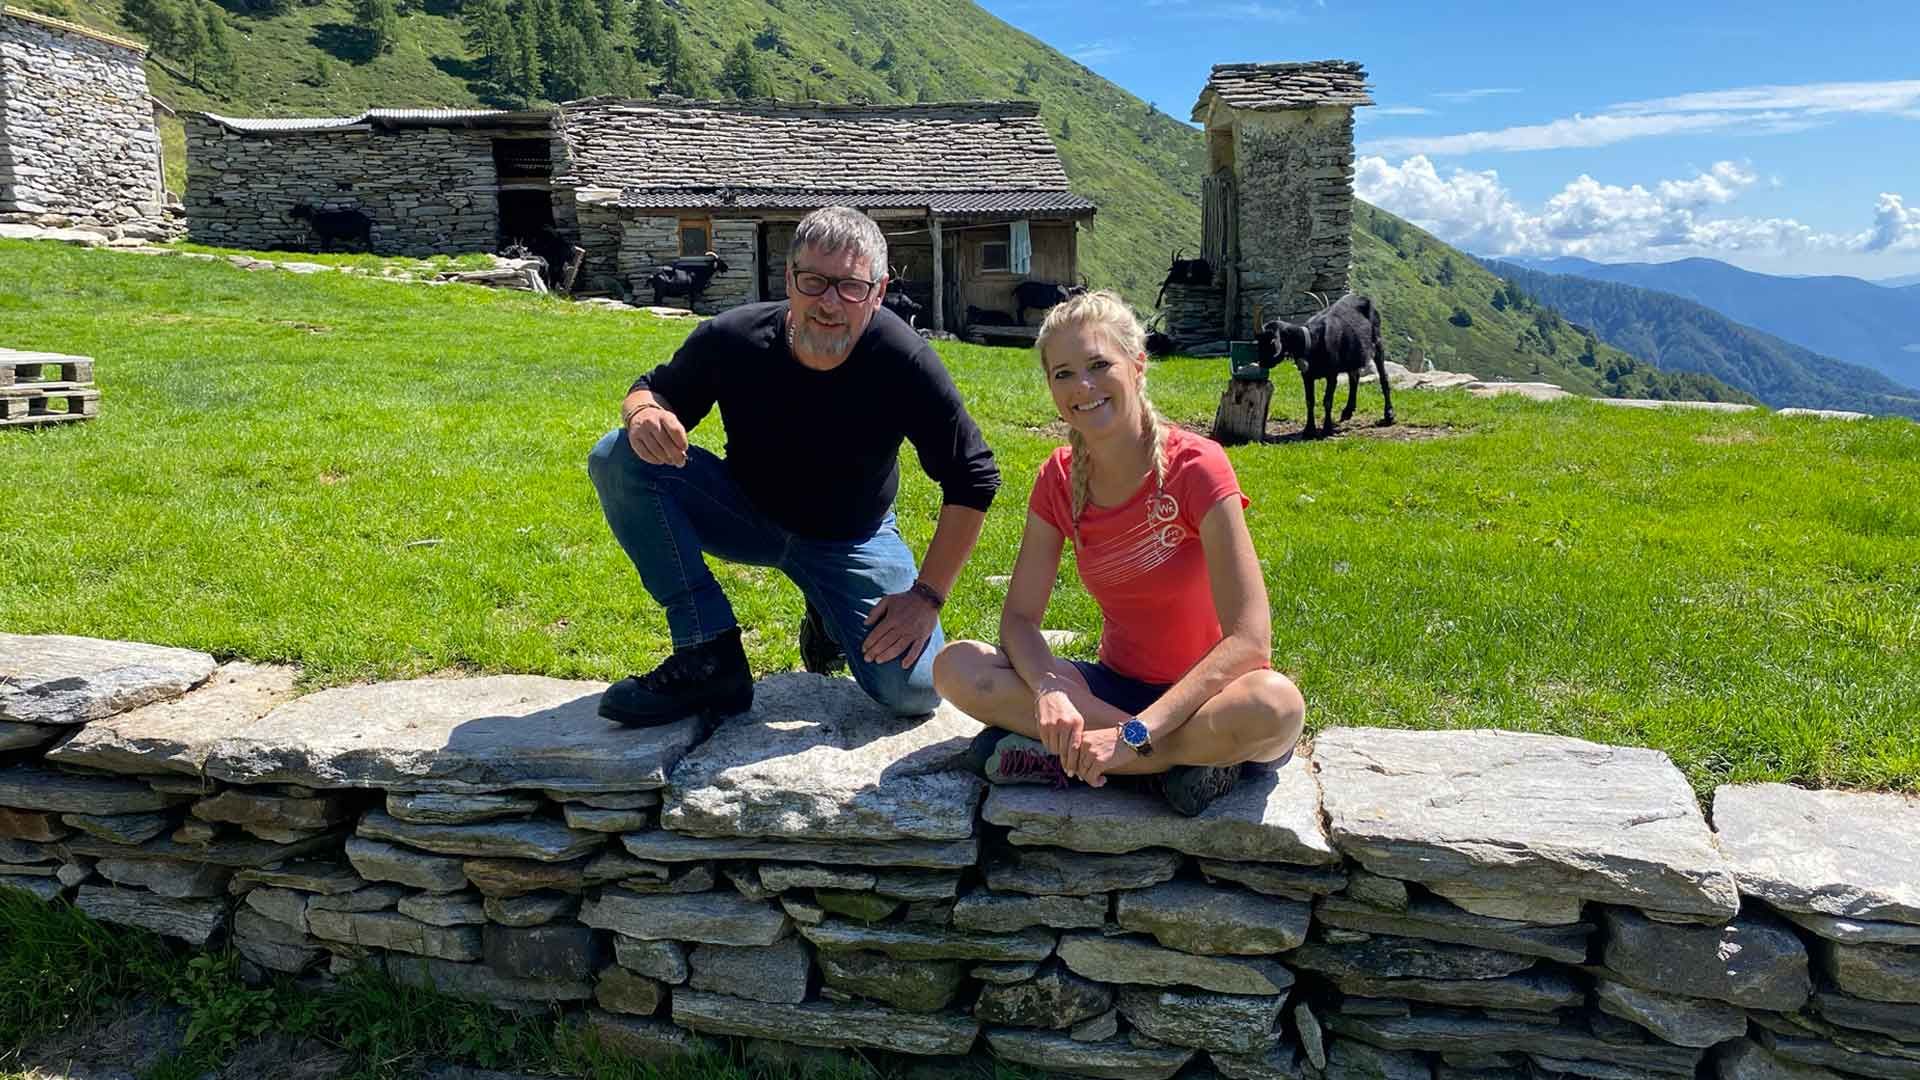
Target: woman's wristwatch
x: 1135, y: 735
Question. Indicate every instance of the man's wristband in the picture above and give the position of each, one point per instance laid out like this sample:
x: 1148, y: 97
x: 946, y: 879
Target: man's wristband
x: 627, y: 417
x: 925, y: 592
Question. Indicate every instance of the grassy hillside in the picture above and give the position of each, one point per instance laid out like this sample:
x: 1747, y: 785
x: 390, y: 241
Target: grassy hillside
x: 1446, y: 303
x: 1140, y: 165
x: 1681, y: 335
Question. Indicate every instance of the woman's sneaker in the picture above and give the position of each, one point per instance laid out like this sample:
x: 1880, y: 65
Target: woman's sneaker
x: 1006, y: 758
x: 1192, y: 788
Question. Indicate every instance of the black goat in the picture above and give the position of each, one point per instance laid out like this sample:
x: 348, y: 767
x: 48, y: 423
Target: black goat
x: 1343, y: 337
x: 1040, y: 296
x: 683, y: 280
x: 1184, y: 272
x: 988, y: 317
x: 330, y: 225
x: 898, y: 302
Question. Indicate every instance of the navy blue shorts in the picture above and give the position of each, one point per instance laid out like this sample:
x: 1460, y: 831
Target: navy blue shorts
x: 1128, y: 695
x: 1132, y: 695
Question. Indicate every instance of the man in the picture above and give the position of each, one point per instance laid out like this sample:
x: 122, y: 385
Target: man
x: 817, y: 393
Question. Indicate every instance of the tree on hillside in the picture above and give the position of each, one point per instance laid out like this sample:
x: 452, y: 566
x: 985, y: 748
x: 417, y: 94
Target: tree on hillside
x: 490, y: 34
x: 678, y: 74
x: 220, y: 64
x: 158, y: 21
x: 741, y: 75
x: 191, y: 41
x: 524, y: 73
x: 1066, y: 128
x: 612, y: 15
x: 379, y: 20
x: 1447, y: 272
x: 770, y: 39
x: 646, y: 30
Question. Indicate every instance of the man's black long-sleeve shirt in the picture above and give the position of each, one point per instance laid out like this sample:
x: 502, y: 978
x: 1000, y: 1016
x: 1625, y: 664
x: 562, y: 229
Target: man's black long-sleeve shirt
x: 818, y: 451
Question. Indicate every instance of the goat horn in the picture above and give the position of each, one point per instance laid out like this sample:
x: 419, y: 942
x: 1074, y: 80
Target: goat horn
x: 1324, y: 305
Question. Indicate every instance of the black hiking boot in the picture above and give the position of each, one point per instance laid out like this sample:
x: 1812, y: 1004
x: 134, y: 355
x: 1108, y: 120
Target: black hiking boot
x: 710, y: 679
x: 1192, y: 788
x: 819, y: 653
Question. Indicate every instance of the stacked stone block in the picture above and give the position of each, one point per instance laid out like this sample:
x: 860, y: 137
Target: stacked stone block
x: 78, y: 146
x: 1194, y: 314
x: 817, y: 872
x: 427, y: 190
x: 1294, y: 176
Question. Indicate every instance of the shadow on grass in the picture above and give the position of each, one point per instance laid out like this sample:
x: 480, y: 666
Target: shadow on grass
x: 344, y: 41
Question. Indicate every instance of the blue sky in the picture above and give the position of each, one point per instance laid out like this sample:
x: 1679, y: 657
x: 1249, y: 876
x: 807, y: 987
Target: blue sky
x: 1780, y: 137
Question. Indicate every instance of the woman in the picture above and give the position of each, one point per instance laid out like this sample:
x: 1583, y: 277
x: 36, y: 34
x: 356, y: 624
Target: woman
x: 1182, y: 687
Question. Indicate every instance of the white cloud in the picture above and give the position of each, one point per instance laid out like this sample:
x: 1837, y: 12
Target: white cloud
x: 1473, y: 95
x: 1093, y: 52
x: 1896, y: 227
x: 1599, y: 220
x: 1719, y: 185
x: 1399, y: 110
x: 1754, y: 110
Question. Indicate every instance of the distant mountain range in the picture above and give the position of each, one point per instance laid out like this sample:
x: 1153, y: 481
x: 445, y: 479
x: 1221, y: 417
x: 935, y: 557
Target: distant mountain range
x: 1898, y: 282
x: 1876, y: 325
x: 1680, y: 335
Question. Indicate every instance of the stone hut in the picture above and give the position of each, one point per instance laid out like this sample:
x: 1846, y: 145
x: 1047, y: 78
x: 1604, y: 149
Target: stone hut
x: 640, y: 184
x: 77, y: 140
x: 433, y: 181
x: 978, y: 182
x: 1277, y: 200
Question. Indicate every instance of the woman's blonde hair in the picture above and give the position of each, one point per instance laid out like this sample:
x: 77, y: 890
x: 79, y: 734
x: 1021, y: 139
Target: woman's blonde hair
x: 1106, y: 312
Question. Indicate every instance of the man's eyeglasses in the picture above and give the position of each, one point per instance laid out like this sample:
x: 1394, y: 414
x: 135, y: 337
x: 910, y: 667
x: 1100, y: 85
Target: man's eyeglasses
x: 851, y: 289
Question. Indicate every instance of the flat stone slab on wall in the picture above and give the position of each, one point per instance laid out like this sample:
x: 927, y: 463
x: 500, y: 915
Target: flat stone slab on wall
x: 1823, y: 852
x: 487, y: 734
x: 817, y: 759
x: 175, y: 735
x: 1271, y: 816
x: 1527, y: 814
x: 76, y: 680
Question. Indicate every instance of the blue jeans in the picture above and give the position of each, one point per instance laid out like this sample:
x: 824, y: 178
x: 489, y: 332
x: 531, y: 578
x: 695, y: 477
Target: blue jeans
x: 667, y: 518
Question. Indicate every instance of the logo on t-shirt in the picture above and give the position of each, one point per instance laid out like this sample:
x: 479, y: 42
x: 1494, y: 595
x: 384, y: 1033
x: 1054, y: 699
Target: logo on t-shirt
x: 1142, y: 548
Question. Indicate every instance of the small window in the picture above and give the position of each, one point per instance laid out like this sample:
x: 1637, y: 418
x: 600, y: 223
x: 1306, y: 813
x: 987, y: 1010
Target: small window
x: 696, y: 237
x: 994, y: 255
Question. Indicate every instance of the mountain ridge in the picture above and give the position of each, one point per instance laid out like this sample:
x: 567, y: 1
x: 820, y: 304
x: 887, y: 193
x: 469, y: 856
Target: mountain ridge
x: 1843, y: 318
x: 1679, y: 334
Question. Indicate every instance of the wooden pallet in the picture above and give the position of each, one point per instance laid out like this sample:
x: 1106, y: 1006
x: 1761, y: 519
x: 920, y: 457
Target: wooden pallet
x: 19, y: 408
x: 18, y: 368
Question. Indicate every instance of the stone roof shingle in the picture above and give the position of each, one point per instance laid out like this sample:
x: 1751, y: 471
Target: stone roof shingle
x: 671, y: 144
x: 1264, y: 87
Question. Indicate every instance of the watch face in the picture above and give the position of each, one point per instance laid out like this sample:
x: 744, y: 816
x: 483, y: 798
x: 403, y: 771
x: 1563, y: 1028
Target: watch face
x: 1134, y: 733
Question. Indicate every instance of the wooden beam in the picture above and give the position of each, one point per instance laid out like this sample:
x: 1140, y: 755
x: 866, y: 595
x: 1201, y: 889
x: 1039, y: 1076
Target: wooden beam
x: 939, y: 276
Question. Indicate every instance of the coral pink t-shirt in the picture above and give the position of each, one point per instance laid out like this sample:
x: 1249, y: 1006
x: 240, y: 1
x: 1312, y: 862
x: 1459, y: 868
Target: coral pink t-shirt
x: 1142, y: 561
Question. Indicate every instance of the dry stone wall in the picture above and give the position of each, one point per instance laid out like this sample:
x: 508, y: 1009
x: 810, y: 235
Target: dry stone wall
x: 1426, y: 905
x: 77, y: 140
x: 428, y: 191
x: 1294, y: 175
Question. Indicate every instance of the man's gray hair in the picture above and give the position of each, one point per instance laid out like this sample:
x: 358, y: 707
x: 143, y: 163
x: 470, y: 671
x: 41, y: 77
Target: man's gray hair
x: 833, y: 228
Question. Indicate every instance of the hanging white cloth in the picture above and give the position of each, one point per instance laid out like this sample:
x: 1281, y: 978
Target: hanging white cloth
x: 1020, y: 248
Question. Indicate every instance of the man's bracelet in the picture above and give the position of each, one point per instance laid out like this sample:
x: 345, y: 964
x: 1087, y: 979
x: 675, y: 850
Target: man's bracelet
x: 626, y: 418
x: 925, y: 592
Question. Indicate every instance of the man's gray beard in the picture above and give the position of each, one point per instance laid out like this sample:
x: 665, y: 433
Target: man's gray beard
x: 822, y: 342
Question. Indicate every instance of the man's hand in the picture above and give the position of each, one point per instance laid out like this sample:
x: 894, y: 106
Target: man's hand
x: 1093, y: 753
x: 899, y: 625
x: 657, y: 437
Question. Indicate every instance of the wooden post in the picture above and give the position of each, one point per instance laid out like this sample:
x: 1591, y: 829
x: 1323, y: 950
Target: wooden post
x: 1242, y: 416
x: 939, y: 275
